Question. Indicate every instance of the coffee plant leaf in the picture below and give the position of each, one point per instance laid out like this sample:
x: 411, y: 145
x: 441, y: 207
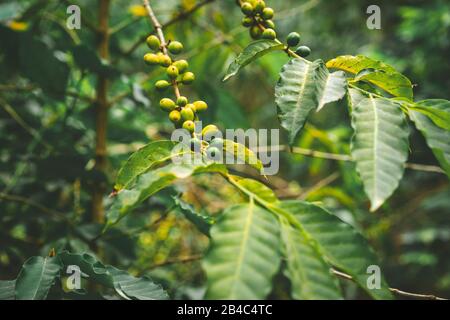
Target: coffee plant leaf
x: 335, y: 88
x: 437, y: 110
x: 203, y: 222
x: 7, y: 289
x: 242, y: 154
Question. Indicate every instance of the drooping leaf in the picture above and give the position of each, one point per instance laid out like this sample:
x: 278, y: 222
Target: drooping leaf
x: 335, y: 88
x: 143, y: 160
x: 437, y: 138
x: 438, y: 110
x: 7, y: 289
x: 37, y: 276
x: 242, y: 154
x: 379, y: 145
x: 252, y: 52
x: 338, y: 243
x: 201, y: 221
x: 244, y: 254
x: 257, y: 189
x: 310, y: 275
x: 298, y: 92
x: 382, y: 75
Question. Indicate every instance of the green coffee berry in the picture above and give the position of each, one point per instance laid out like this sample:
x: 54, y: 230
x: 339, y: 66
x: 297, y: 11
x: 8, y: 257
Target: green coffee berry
x: 209, y: 132
x: 153, y: 42
x: 175, y: 116
x: 293, y: 39
x: 189, y: 125
x: 164, y: 60
x: 267, y: 13
x: 192, y: 107
x: 175, y: 47
x: 269, y: 34
x: 167, y: 104
x: 255, y: 32
x: 303, y: 51
x: 162, y: 84
x: 182, y: 65
x: 269, y: 24
x: 188, y: 78
x: 182, y: 101
x: 151, y: 59
x: 217, y: 142
x: 187, y: 114
x: 247, y: 8
x: 172, y: 72
x: 195, y: 144
x: 213, y: 152
x: 259, y: 6
x: 247, y: 22
x: 200, y: 106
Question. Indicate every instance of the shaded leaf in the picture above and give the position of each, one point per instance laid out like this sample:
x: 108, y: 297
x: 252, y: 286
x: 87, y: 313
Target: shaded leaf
x: 335, y: 88
x: 201, y: 221
x: 7, y: 289
x: 438, y: 110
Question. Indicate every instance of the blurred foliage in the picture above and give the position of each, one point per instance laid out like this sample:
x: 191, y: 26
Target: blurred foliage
x: 47, y: 89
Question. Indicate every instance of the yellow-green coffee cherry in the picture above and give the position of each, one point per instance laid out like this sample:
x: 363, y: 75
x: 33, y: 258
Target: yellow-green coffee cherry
x: 267, y: 13
x: 217, y: 142
x: 259, y: 6
x: 247, y: 8
x: 213, y: 153
x: 175, y: 116
x: 162, y: 84
x: 247, y: 22
x: 164, y: 60
x: 269, y: 24
x: 151, y: 59
x: 175, y: 47
x: 167, y: 104
x: 189, y: 125
x: 269, y: 34
x: 188, y: 78
x: 303, y: 51
x: 200, y: 106
x: 182, y: 65
x: 187, y: 114
x: 293, y: 39
x: 209, y: 132
x: 153, y: 42
x: 182, y: 101
x: 255, y: 32
x: 192, y: 107
x: 172, y: 72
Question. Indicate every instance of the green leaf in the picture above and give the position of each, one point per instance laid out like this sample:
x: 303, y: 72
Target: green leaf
x: 37, y: 276
x: 437, y: 138
x: 298, y: 92
x: 252, y: 52
x: 149, y: 183
x: 257, y: 189
x: 438, y: 110
x: 380, y: 74
x: 7, y: 289
x: 244, y: 254
x: 143, y: 160
x: 201, y: 221
x: 310, y: 275
x: 242, y: 154
x: 335, y: 88
x: 337, y: 242
x: 379, y: 145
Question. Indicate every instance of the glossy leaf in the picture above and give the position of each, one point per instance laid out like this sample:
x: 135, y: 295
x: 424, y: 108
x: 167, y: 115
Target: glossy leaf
x: 335, y: 88
x: 379, y: 145
x: 438, y: 110
x: 252, y: 52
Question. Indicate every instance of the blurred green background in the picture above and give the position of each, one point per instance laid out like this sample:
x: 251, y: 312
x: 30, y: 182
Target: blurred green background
x: 48, y: 77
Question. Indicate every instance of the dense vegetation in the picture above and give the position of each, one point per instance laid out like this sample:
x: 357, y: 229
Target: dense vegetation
x: 86, y: 177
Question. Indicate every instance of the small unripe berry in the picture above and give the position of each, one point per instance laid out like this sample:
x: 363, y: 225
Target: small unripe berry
x: 269, y: 24
x: 151, y: 59
x: 259, y: 6
x: 188, y: 78
x: 209, y: 132
x: 267, y: 13
x: 189, y: 125
x: 182, y: 65
x: 213, y: 153
x: 303, y: 51
x: 293, y: 39
x: 167, y: 104
x: 247, y: 22
x: 255, y: 32
x: 192, y: 107
x: 187, y: 114
x: 200, y: 106
x: 162, y: 84
x: 164, y: 60
x: 175, y: 116
x: 175, y: 47
x: 182, y: 101
x: 217, y: 142
x: 172, y: 72
x: 153, y: 42
x: 269, y: 34
x: 247, y: 8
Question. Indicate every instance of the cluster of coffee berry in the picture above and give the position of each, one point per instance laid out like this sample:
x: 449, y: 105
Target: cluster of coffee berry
x: 182, y: 112
x: 258, y: 18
